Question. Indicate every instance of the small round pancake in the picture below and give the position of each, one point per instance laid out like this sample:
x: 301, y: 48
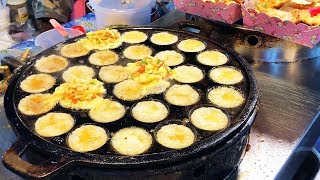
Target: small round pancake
x: 51, y: 64
x: 188, y: 74
x: 87, y: 138
x: 175, y: 136
x: 103, y: 58
x: 78, y: 72
x: 107, y: 111
x: 114, y: 74
x: 37, y: 83
x: 182, y: 95
x: 54, y: 124
x: 131, y: 141
x: 163, y: 38
x: 212, y: 58
x: 74, y: 50
x: 36, y: 104
x: 137, y: 52
x: 226, y: 75
x: 170, y: 57
x: 133, y: 37
x: 209, y: 119
x: 226, y: 97
x: 128, y: 90
x: 149, y: 111
x: 191, y: 45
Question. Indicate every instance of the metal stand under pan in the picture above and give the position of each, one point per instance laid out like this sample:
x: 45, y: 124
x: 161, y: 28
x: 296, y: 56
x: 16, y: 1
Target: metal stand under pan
x: 255, y: 45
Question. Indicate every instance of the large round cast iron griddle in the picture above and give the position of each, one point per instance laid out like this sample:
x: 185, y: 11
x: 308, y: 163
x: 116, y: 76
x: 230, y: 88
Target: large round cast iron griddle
x: 64, y: 156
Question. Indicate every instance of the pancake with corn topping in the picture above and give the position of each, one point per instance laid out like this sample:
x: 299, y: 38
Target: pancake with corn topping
x: 149, y: 71
x: 54, y: 124
x: 175, y: 136
x: 80, y: 94
x: 209, y: 118
x: 87, y: 138
x: 37, y: 83
x: 51, y: 64
x: 102, y: 39
x: 131, y: 141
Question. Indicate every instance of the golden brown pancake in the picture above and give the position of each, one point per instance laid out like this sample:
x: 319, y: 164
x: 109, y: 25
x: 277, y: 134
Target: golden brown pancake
x: 191, y: 45
x: 175, y: 136
x: 182, y: 95
x: 212, y: 58
x: 87, y: 138
x: 170, y: 57
x: 74, y: 50
x: 137, y: 52
x: 113, y: 74
x: 54, y: 124
x: 149, y: 111
x: 164, y: 38
x: 37, y: 83
x: 226, y: 75
x: 107, y: 111
x: 188, y: 74
x: 209, y: 118
x: 131, y: 141
x: 133, y: 37
x: 103, y: 58
x: 36, y: 104
x: 51, y: 64
x: 78, y: 72
x: 226, y: 97
x: 128, y: 90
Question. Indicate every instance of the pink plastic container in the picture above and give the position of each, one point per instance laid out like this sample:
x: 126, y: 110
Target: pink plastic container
x: 298, y: 33
x: 209, y: 10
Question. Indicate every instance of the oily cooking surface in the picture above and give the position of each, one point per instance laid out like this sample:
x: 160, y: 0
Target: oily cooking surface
x: 180, y: 113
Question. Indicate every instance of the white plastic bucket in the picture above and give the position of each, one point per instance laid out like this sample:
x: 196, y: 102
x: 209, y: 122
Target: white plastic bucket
x: 52, y: 37
x: 122, y: 12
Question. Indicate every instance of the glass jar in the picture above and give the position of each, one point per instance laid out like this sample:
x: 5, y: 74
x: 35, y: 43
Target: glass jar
x: 18, y: 10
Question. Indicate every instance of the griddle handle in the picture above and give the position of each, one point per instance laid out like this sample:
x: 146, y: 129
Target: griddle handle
x: 12, y: 62
x: 205, y: 29
x: 13, y: 161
